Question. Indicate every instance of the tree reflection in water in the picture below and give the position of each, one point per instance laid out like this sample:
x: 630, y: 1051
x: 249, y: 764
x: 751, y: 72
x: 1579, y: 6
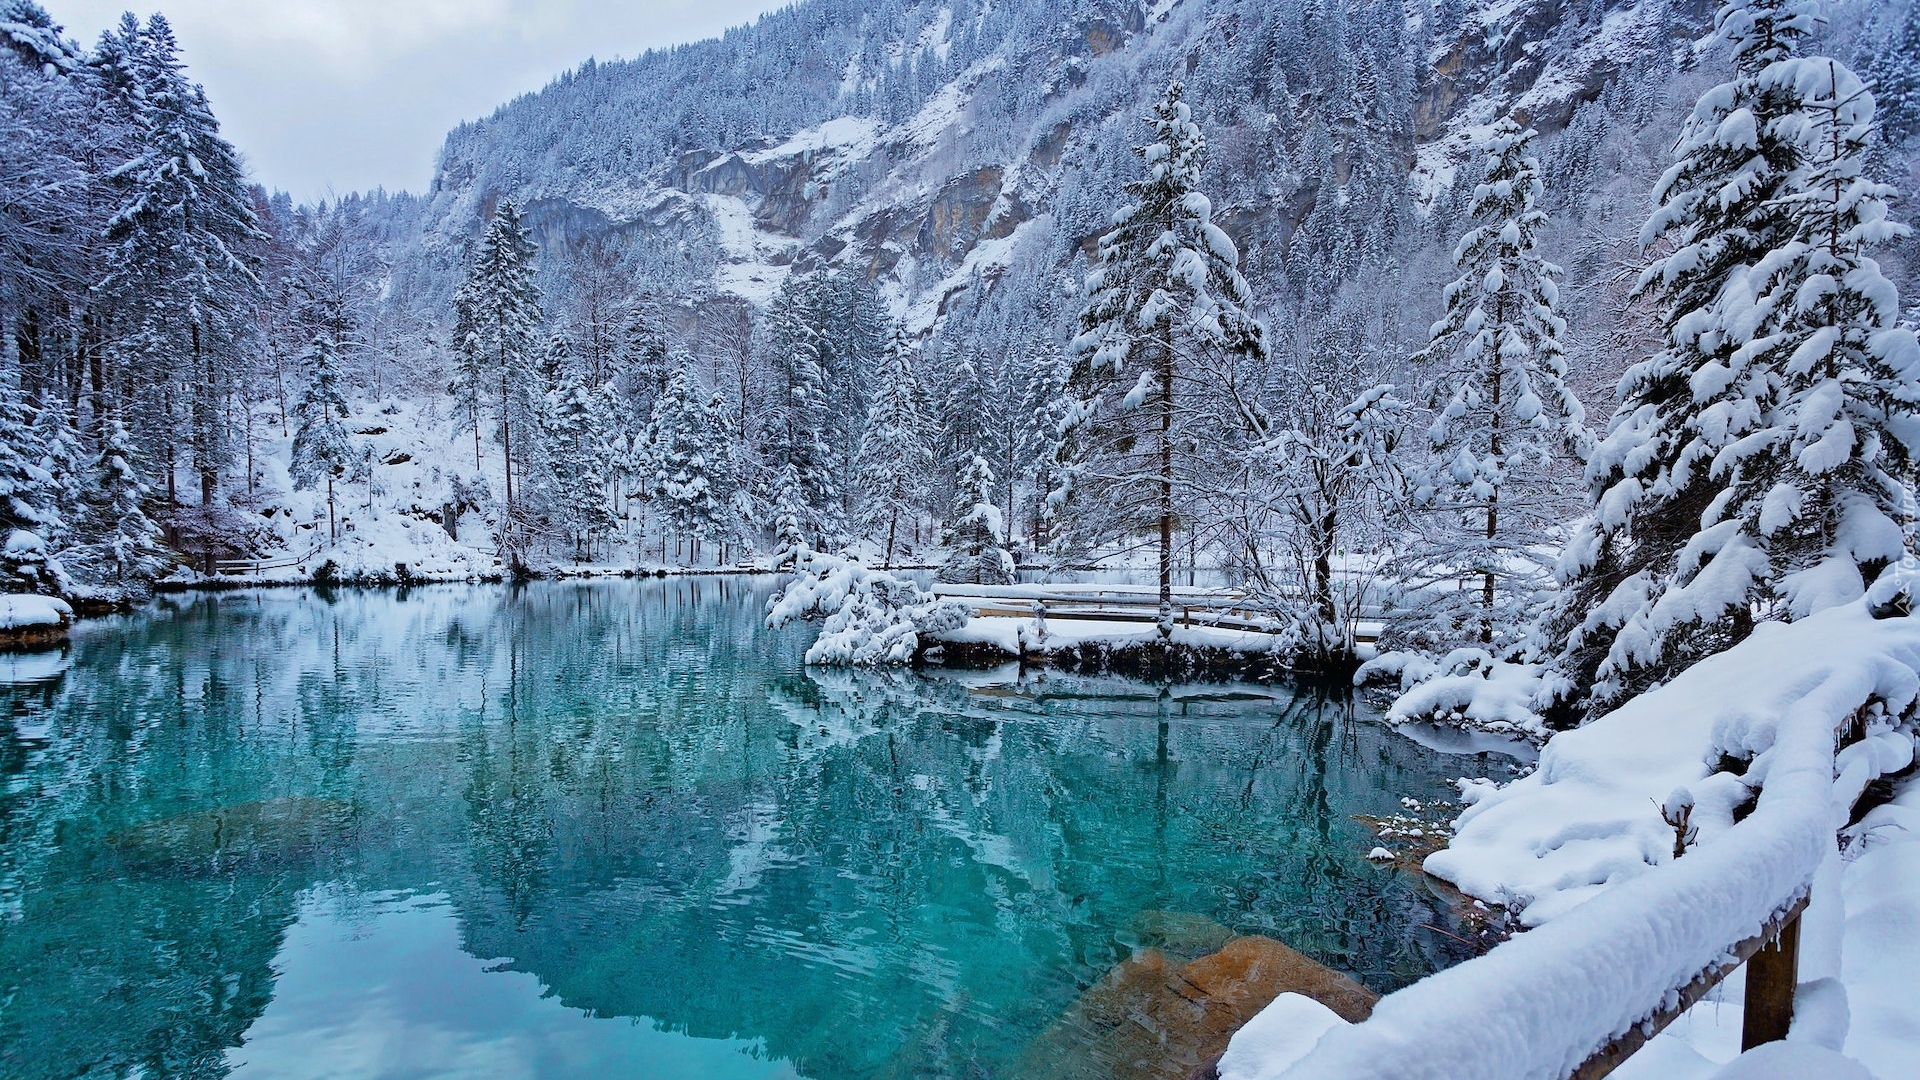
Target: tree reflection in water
x: 635, y: 794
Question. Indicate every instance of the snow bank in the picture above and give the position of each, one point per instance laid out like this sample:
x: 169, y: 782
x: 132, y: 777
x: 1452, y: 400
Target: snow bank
x: 1585, y: 831
x: 1880, y: 944
x: 871, y: 617
x: 18, y: 611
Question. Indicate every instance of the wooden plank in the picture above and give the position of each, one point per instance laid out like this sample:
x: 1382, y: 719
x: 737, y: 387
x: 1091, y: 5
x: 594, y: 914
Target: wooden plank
x: 1610, y: 1056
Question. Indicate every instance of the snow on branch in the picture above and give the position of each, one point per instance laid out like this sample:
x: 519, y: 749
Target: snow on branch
x: 871, y: 618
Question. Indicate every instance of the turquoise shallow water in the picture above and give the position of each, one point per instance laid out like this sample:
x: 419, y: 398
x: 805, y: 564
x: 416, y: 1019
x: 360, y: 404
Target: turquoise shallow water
x: 615, y: 829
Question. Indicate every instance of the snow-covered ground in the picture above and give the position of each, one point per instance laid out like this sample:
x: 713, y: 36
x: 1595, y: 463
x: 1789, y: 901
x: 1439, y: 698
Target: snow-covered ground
x: 1582, y: 849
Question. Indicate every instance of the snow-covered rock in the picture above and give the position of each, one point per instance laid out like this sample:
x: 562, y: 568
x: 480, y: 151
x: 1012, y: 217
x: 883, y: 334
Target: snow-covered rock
x: 1278, y: 1036
x: 20, y: 611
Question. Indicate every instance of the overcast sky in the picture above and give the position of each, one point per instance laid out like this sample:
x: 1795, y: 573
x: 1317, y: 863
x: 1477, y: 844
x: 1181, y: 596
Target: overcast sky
x: 332, y: 96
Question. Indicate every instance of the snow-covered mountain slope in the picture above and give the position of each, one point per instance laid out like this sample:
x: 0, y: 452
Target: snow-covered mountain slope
x: 923, y: 142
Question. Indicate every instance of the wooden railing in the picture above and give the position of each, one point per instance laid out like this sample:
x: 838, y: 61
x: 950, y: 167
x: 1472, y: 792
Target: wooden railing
x: 1581, y: 974
x: 1772, y: 958
x: 1221, y: 608
x: 260, y: 566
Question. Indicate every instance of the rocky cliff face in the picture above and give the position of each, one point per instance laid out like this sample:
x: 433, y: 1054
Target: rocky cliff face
x: 993, y: 154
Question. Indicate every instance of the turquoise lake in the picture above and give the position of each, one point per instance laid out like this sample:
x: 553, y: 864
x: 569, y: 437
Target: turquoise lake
x: 617, y: 829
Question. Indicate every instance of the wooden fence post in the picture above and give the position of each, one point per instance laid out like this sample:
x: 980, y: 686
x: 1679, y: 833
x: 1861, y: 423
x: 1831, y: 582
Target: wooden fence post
x: 1772, y: 974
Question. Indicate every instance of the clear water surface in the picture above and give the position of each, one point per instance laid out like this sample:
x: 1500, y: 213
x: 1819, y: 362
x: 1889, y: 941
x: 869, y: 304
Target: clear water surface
x: 617, y: 829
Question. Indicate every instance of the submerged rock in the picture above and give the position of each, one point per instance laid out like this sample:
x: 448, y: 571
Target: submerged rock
x: 270, y: 834
x: 1155, y: 1018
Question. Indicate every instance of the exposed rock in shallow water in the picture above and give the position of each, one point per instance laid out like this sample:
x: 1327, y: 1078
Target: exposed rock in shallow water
x: 1155, y: 1018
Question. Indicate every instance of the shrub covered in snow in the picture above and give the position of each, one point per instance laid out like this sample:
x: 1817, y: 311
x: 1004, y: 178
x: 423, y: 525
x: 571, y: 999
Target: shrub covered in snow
x: 870, y: 616
x: 1467, y: 688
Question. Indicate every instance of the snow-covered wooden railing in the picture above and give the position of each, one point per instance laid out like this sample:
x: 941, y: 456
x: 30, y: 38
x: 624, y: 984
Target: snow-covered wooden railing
x: 1623, y: 932
x: 1222, y: 608
x: 260, y: 566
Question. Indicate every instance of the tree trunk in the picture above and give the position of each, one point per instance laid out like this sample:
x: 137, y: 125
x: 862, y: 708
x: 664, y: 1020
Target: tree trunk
x: 333, y: 531
x: 506, y: 439
x: 893, y: 523
x: 1323, y: 566
x: 1493, y: 501
x: 1166, y: 488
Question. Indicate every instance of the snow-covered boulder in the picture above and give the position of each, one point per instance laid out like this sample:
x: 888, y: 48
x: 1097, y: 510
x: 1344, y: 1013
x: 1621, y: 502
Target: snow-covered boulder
x: 27, y: 620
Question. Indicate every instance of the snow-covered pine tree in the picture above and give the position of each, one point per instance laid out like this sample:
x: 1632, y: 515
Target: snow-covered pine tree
x: 789, y: 511
x: 1165, y: 298
x: 27, y: 29
x: 578, y: 461
x: 321, y: 449
x: 1504, y: 416
x: 184, y: 256
x: 961, y: 419
x: 796, y: 438
x: 1654, y: 578
x: 27, y: 498
x: 895, y: 460
x: 498, y: 319
x: 645, y: 353
x: 1895, y: 78
x: 1044, y: 402
x: 121, y: 553
x: 63, y: 460
x: 1824, y: 483
x: 977, y: 539
x: 691, y: 476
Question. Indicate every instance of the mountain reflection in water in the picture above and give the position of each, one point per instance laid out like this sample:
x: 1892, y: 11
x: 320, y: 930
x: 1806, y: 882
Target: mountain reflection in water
x: 617, y: 829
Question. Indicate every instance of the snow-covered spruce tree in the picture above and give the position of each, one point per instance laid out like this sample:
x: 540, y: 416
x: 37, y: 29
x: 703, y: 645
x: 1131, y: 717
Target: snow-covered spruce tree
x: 789, y: 511
x: 1164, y: 300
x: 1655, y: 577
x: 183, y: 257
x: 895, y: 460
x: 796, y: 441
x: 692, y: 475
x: 1823, y: 484
x: 321, y: 449
x: 64, y: 462
x: 497, y: 320
x: 27, y: 499
x: 121, y: 552
x: 578, y: 460
x: 27, y: 29
x: 1040, y: 412
x: 1503, y: 413
x: 1895, y: 78
x: 977, y: 539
